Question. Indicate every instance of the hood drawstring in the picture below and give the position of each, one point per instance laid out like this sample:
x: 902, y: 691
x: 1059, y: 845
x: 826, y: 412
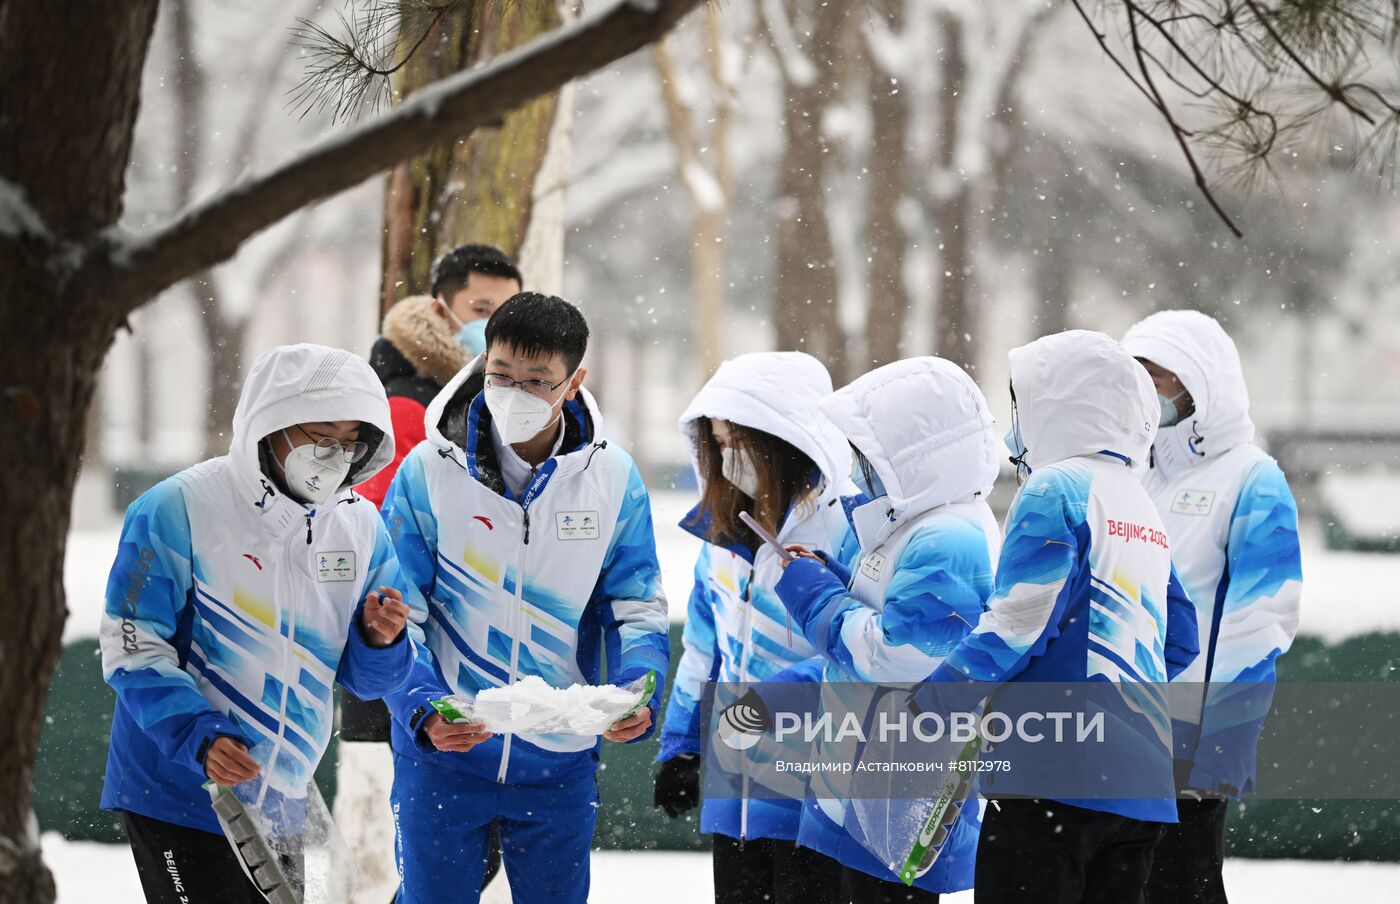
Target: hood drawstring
x: 447, y: 454
x: 596, y: 447
x: 1196, y: 438
x: 267, y: 491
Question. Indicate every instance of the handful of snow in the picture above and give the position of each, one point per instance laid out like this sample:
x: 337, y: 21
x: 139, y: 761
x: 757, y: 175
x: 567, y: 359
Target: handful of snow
x: 530, y: 706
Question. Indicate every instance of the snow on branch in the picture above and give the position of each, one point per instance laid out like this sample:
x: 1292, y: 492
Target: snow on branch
x: 17, y: 218
x: 137, y: 266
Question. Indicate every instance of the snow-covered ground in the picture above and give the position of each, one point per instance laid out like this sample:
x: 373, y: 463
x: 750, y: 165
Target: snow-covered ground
x: 86, y: 871
x: 1344, y: 593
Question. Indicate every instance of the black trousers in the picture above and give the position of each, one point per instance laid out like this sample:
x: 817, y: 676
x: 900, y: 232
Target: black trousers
x: 179, y: 865
x: 766, y: 871
x: 1186, y: 868
x: 1045, y: 852
x: 862, y: 888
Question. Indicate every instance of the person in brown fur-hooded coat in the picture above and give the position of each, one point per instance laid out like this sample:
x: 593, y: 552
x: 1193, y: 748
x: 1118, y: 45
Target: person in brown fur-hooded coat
x: 428, y: 339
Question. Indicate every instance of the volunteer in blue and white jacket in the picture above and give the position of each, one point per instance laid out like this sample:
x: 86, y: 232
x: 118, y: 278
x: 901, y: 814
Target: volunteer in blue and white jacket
x: 1234, y: 530
x: 1084, y: 592
x: 761, y: 444
x: 529, y: 536
x: 926, y: 462
x: 244, y: 588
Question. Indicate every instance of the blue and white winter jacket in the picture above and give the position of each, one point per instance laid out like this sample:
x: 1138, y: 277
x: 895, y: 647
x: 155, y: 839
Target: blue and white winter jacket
x: 1234, y: 530
x: 1085, y: 589
x: 736, y: 630
x: 538, y: 585
x: 232, y: 609
x: 923, y: 569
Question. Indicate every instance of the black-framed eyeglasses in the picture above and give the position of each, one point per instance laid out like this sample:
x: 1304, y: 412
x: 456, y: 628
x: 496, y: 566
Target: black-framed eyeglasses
x: 541, y: 388
x: 328, y: 447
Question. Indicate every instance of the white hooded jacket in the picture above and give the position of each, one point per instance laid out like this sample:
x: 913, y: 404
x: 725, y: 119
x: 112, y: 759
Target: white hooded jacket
x: 737, y: 630
x: 1084, y: 587
x: 231, y: 607
x: 1234, y: 530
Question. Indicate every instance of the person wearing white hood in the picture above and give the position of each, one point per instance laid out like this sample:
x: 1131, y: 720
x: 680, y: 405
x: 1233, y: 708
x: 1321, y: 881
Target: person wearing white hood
x: 1234, y: 530
x: 760, y: 444
x: 925, y: 463
x: 243, y: 590
x: 1084, y: 593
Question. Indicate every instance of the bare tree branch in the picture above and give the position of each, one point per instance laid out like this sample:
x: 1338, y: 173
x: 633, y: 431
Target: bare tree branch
x: 131, y: 268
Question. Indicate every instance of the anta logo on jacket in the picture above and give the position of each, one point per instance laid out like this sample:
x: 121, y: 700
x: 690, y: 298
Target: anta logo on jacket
x: 232, y: 608
x: 514, y: 600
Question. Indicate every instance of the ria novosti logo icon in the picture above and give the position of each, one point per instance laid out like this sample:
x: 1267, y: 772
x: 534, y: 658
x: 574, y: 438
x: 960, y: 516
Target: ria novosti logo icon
x: 744, y: 721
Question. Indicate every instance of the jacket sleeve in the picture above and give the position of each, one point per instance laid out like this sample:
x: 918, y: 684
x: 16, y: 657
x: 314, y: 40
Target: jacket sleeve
x: 1257, y: 610
x: 407, y: 417
x: 371, y: 672
x: 412, y: 528
x: 699, y: 666
x: 630, y: 601
x: 1045, y: 537
x: 146, y: 608
x: 934, y: 596
x: 1183, y: 641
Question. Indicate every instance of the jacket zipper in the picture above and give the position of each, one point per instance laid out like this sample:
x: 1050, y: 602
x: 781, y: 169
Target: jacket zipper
x: 517, y: 617
x: 744, y: 678
x: 286, y: 655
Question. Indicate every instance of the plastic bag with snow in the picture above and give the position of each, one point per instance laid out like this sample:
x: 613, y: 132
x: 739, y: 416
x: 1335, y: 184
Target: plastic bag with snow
x: 531, y: 706
x: 288, y: 846
x: 905, y: 818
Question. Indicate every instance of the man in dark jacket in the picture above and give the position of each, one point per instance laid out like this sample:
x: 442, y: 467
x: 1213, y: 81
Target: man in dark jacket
x: 426, y: 340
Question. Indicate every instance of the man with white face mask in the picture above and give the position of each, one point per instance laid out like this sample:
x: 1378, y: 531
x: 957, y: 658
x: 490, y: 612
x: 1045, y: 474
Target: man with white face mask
x: 244, y: 589
x: 530, y: 539
x: 1234, y: 531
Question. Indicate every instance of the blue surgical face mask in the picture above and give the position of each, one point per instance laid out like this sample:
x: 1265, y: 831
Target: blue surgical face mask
x: 1169, y: 416
x: 1018, y: 451
x: 472, y: 336
x: 873, y: 490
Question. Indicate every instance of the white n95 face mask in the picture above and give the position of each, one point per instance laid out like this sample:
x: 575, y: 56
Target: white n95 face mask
x: 518, y: 415
x: 313, y: 479
x: 737, y: 467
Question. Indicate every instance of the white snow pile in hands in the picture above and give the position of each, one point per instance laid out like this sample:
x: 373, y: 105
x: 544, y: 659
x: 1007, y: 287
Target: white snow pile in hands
x: 531, y: 706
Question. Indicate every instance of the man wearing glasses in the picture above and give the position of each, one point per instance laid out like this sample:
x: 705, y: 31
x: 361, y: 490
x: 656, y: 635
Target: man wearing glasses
x: 244, y: 589
x: 529, y: 537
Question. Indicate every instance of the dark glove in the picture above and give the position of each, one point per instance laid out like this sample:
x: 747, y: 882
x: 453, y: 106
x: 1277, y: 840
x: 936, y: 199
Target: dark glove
x: 678, y: 784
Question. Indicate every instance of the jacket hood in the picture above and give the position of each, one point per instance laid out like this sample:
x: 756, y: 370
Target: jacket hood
x: 779, y: 393
x: 1197, y: 349
x: 1080, y: 393
x: 298, y: 384
x: 926, y: 429
x: 425, y: 339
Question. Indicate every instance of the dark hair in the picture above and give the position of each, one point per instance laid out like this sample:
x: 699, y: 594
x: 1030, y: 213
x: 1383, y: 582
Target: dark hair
x: 785, y: 477
x: 453, y: 269
x: 867, y: 470
x: 536, y: 325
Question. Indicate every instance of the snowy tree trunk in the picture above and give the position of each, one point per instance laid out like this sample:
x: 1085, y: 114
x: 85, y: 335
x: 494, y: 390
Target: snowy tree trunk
x: 805, y: 312
x: 955, y: 329
x: 59, y: 183
x: 480, y: 188
x: 709, y: 187
x: 889, y: 140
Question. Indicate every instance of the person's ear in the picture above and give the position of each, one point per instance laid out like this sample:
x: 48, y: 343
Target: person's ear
x: 576, y: 383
